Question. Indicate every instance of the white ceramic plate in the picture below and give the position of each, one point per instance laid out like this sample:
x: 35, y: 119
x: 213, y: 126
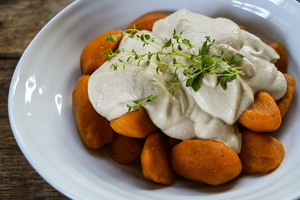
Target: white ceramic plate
x: 42, y: 119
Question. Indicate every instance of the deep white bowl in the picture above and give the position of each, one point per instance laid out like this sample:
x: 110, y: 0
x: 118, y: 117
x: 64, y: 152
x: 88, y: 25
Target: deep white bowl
x: 42, y: 120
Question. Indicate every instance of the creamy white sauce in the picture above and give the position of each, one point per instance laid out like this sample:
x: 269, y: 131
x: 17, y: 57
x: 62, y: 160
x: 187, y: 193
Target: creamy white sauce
x: 209, y: 113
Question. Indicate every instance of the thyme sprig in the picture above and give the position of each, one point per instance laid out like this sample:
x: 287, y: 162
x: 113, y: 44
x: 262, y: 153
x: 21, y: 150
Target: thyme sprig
x: 202, y: 63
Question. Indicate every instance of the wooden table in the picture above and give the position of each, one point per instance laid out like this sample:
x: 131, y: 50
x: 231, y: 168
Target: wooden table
x: 20, y: 21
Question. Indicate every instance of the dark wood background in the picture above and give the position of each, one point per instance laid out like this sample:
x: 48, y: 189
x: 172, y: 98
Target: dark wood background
x: 20, y: 21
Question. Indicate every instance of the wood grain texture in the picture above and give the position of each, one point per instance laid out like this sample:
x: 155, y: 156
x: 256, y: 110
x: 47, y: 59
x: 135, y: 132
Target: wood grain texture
x: 20, y: 21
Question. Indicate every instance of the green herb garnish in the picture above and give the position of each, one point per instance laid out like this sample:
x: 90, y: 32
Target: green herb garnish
x: 203, y: 64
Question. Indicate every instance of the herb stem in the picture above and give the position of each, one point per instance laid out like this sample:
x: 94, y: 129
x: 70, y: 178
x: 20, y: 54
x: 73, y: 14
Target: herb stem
x: 203, y: 64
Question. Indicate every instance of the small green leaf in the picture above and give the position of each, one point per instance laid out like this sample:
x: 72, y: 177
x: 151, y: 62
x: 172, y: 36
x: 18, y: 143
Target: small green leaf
x: 172, y: 84
x: 157, y: 57
x: 223, y: 65
x: 147, y: 37
x: 138, y: 64
x: 179, y: 47
x: 197, y: 82
x: 175, y: 61
x: 136, y: 101
x: 173, y: 49
x: 107, y: 56
x: 217, y: 56
x: 236, y: 58
x: 168, y: 43
x: 157, y: 68
x: 204, y: 48
x: 189, y: 82
x: 117, y: 51
x: 223, y: 83
x: 174, y: 32
x: 149, y: 58
x: 173, y: 92
x: 192, y: 57
x: 150, y: 98
x: 176, y: 37
x: 196, y: 71
x: 176, y: 74
x: 231, y: 78
x: 168, y: 82
x: 115, y: 67
x: 186, y: 42
x: 136, y: 56
x: 209, y: 61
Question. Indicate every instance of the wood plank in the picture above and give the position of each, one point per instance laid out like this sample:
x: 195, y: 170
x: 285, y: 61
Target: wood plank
x: 21, y: 20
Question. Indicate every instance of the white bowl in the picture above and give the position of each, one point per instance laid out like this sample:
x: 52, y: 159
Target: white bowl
x: 42, y: 119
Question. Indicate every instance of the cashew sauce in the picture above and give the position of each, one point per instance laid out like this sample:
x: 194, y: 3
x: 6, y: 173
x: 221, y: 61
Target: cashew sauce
x: 209, y: 113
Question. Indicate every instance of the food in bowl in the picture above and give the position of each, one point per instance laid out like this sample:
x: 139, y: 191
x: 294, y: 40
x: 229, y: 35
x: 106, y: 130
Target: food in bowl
x: 188, y: 96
